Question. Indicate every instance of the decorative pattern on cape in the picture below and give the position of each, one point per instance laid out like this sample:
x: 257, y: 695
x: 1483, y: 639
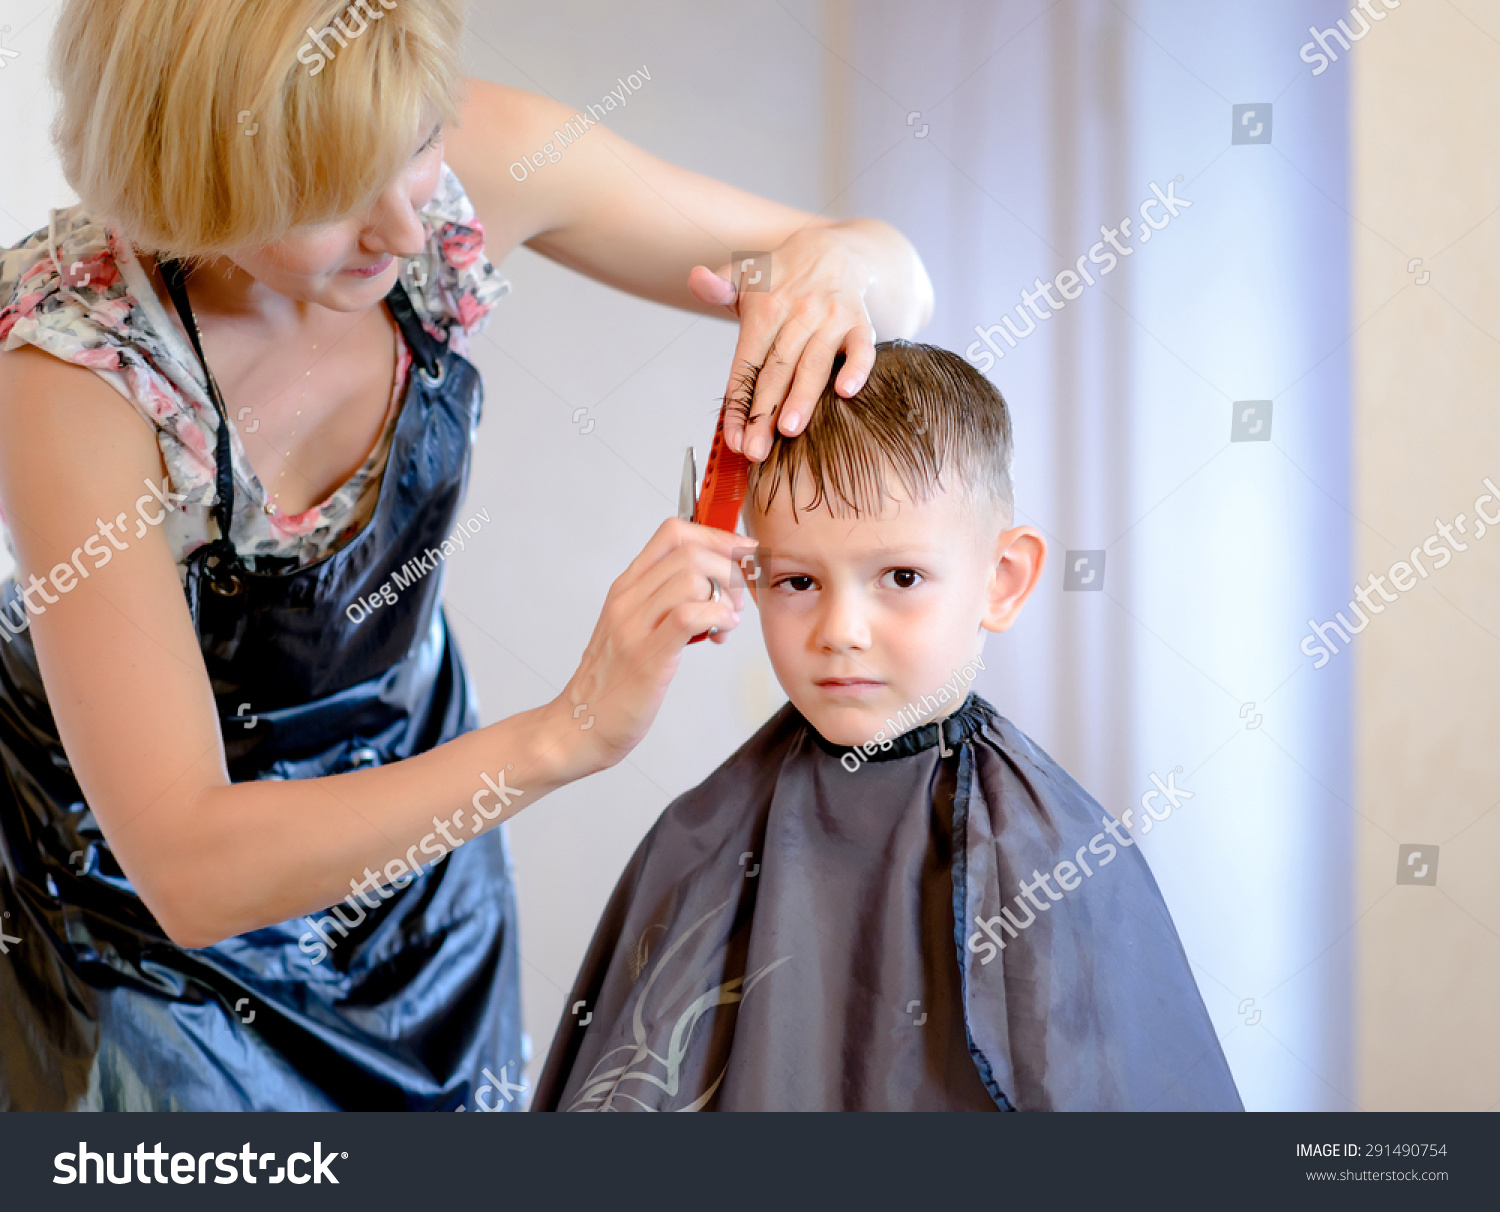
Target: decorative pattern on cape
x: 814, y: 930
x: 602, y: 1087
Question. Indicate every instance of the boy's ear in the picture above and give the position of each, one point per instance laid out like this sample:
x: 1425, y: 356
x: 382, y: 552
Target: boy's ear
x: 1020, y: 554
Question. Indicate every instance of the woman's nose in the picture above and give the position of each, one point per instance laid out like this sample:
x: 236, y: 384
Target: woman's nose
x: 394, y: 226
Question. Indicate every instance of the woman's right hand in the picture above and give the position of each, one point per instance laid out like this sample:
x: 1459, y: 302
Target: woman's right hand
x: 137, y: 716
x: 650, y: 613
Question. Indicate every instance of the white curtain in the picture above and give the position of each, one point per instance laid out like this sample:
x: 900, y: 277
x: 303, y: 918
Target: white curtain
x: 1006, y: 139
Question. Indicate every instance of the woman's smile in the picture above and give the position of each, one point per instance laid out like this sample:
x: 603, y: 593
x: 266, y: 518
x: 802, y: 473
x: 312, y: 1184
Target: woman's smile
x: 372, y: 271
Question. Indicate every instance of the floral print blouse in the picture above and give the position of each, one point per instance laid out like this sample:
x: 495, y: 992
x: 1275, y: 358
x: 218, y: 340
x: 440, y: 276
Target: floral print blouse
x: 76, y: 290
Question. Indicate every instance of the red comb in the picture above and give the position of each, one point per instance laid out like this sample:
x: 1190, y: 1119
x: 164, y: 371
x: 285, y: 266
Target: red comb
x: 724, y: 484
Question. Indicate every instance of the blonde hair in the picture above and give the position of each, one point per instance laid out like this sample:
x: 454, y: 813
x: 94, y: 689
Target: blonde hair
x: 200, y: 126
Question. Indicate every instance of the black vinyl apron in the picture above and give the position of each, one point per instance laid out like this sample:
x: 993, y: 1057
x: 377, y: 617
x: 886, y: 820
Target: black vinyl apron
x: 413, y: 1004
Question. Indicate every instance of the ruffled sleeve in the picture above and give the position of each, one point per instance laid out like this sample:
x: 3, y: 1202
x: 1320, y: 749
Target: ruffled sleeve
x: 453, y: 285
x: 62, y: 289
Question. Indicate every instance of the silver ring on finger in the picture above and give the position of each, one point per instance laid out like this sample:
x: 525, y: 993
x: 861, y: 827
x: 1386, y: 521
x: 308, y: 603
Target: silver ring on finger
x: 715, y: 595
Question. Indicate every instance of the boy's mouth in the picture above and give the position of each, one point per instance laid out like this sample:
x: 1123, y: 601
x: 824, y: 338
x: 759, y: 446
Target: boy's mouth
x: 847, y: 686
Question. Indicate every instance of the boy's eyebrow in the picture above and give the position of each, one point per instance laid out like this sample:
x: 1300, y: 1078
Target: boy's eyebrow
x: 893, y: 553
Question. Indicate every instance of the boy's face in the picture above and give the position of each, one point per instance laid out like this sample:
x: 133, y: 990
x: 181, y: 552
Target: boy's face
x: 862, y: 616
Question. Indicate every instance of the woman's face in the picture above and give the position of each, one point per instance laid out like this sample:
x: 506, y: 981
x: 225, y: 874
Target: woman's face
x: 349, y: 264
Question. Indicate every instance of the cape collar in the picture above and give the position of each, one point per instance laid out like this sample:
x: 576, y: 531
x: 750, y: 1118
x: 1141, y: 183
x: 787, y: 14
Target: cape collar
x: 956, y: 728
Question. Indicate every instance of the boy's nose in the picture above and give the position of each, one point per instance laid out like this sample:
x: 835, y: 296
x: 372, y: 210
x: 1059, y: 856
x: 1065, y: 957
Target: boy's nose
x: 842, y: 624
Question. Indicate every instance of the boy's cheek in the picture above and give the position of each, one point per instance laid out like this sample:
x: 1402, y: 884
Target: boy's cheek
x: 786, y: 646
x: 921, y: 648
x: 779, y: 646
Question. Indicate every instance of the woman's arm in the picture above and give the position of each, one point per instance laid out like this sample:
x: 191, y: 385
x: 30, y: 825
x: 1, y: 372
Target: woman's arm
x: 610, y: 210
x: 131, y: 697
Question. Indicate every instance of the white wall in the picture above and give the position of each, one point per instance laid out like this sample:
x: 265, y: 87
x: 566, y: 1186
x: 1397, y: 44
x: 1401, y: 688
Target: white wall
x: 30, y: 179
x: 1426, y: 94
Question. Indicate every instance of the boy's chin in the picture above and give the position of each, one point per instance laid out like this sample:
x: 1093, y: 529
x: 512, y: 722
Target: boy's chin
x: 842, y: 724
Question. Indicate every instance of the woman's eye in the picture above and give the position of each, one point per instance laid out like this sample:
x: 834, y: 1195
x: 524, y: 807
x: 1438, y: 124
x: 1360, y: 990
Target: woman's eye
x: 797, y: 584
x: 903, y: 578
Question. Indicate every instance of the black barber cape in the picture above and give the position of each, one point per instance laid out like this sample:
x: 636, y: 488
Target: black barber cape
x: 796, y: 935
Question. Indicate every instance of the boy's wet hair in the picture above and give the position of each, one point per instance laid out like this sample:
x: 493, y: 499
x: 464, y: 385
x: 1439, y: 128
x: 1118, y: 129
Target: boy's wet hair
x: 924, y: 415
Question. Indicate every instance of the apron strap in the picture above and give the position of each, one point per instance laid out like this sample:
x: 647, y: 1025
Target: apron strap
x: 172, y: 274
x: 427, y: 351
x: 425, y: 348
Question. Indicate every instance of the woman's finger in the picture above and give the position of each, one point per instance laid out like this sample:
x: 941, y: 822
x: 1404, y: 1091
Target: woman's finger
x: 859, y: 359
x: 761, y: 317
x: 811, y: 378
x: 687, y: 619
x: 701, y: 559
x: 719, y: 290
x: 686, y: 573
x: 715, y: 289
x: 647, y: 636
x: 670, y: 535
x: 771, y: 386
x: 688, y: 594
x: 651, y: 612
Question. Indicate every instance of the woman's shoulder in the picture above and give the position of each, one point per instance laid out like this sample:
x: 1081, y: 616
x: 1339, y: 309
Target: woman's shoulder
x: 75, y: 290
x: 453, y: 282
x: 62, y: 289
x: 67, y: 290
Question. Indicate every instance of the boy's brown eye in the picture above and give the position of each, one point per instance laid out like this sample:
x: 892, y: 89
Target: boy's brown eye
x: 797, y: 584
x: 904, y: 578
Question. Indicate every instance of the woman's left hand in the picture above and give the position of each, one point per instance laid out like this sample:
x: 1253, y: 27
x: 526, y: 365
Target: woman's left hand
x: 807, y: 306
x: 622, y: 216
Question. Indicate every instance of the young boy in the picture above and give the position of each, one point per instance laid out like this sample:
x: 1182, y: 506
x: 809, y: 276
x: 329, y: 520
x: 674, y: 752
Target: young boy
x: 857, y: 910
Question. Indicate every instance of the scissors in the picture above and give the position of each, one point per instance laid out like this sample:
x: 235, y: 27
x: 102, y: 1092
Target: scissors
x: 724, y: 486
x: 687, y: 510
x: 687, y: 494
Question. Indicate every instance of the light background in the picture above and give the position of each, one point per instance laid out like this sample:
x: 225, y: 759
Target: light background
x: 1287, y: 280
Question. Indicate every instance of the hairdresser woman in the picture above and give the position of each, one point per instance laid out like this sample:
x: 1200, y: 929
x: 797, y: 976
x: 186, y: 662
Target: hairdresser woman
x: 250, y: 857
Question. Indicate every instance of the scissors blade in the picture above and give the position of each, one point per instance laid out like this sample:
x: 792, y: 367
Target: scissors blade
x: 687, y: 494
